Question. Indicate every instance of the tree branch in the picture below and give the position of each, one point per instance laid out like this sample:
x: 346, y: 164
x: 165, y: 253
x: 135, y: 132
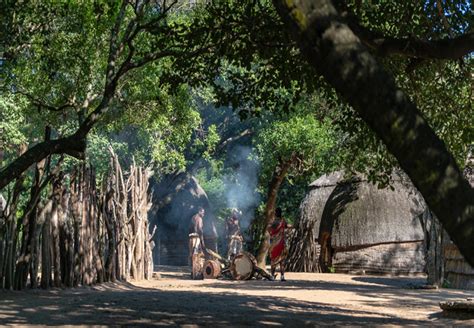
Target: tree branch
x: 442, y: 16
x: 451, y: 48
x: 114, y: 46
x: 233, y: 138
x: 38, y: 103
x: 71, y: 145
x: 75, y: 144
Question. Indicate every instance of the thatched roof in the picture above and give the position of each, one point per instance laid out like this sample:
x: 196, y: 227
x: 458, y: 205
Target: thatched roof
x: 362, y: 214
x: 327, y: 180
x: 184, y: 197
x: 303, y: 253
x: 355, y: 213
x: 176, y: 199
x: 365, y: 215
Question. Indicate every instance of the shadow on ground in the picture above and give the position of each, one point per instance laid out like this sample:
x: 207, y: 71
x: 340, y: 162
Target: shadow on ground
x: 214, y: 303
x: 154, y: 307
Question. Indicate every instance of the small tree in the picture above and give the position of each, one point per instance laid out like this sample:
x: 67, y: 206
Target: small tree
x: 296, y: 146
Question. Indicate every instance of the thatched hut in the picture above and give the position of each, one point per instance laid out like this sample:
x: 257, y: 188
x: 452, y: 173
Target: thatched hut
x: 176, y: 199
x: 304, y: 247
x: 352, y: 226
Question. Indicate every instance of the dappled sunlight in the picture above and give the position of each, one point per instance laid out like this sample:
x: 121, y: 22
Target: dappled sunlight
x: 305, y: 299
x: 137, y: 305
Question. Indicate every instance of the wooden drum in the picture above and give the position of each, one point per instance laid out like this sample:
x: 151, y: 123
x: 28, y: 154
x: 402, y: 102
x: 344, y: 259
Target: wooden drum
x: 243, y: 266
x: 212, y: 269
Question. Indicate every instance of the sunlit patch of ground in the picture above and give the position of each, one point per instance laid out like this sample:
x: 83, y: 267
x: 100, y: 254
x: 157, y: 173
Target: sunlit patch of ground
x: 304, y: 300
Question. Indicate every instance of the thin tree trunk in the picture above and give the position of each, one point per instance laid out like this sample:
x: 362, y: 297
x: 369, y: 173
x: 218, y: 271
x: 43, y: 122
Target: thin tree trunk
x: 278, y: 177
x: 37, y: 242
x: 9, y: 270
x: 76, y: 201
x: 29, y: 227
x: 46, y: 248
x: 56, y: 255
x: 66, y: 227
x: 10, y: 235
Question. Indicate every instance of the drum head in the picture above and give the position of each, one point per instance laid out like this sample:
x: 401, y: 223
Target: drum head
x: 212, y: 269
x: 242, y: 267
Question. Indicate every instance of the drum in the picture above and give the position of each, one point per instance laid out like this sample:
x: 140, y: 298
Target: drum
x: 197, y: 262
x: 212, y: 269
x: 243, y: 266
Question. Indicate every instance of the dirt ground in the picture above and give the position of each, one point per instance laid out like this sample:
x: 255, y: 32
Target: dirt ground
x: 175, y: 300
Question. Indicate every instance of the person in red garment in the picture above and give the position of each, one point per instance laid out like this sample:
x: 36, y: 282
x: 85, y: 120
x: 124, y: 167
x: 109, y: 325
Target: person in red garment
x: 278, y: 250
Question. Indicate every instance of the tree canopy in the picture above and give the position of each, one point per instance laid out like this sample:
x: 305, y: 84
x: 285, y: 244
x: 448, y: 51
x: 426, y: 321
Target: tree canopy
x: 395, y: 79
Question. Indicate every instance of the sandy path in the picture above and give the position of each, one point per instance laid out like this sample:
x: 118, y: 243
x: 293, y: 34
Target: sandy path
x: 304, y: 300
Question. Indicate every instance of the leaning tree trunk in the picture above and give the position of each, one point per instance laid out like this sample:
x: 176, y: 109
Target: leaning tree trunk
x: 278, y: 176
x: 332, y: 48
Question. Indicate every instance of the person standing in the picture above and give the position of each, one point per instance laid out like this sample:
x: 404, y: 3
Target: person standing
x: 196, y: 243
x: 233, y: 234
x: 278, y: 250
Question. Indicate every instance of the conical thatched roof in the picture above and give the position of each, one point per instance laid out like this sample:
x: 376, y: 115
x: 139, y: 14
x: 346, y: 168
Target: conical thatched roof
x: 355, y: 214
x: 176, y: 199
x: 372, y: 216
x: 327, y: 180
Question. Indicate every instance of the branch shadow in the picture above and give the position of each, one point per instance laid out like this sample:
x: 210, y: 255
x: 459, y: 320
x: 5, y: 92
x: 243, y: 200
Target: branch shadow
x: 223, y: 303
x: 151, y: 307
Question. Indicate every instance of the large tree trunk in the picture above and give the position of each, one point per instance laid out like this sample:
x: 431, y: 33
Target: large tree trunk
x: 332, y: 48
x: 278, y: 177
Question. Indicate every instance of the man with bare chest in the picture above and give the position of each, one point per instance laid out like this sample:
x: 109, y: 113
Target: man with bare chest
x: 196, y: 243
